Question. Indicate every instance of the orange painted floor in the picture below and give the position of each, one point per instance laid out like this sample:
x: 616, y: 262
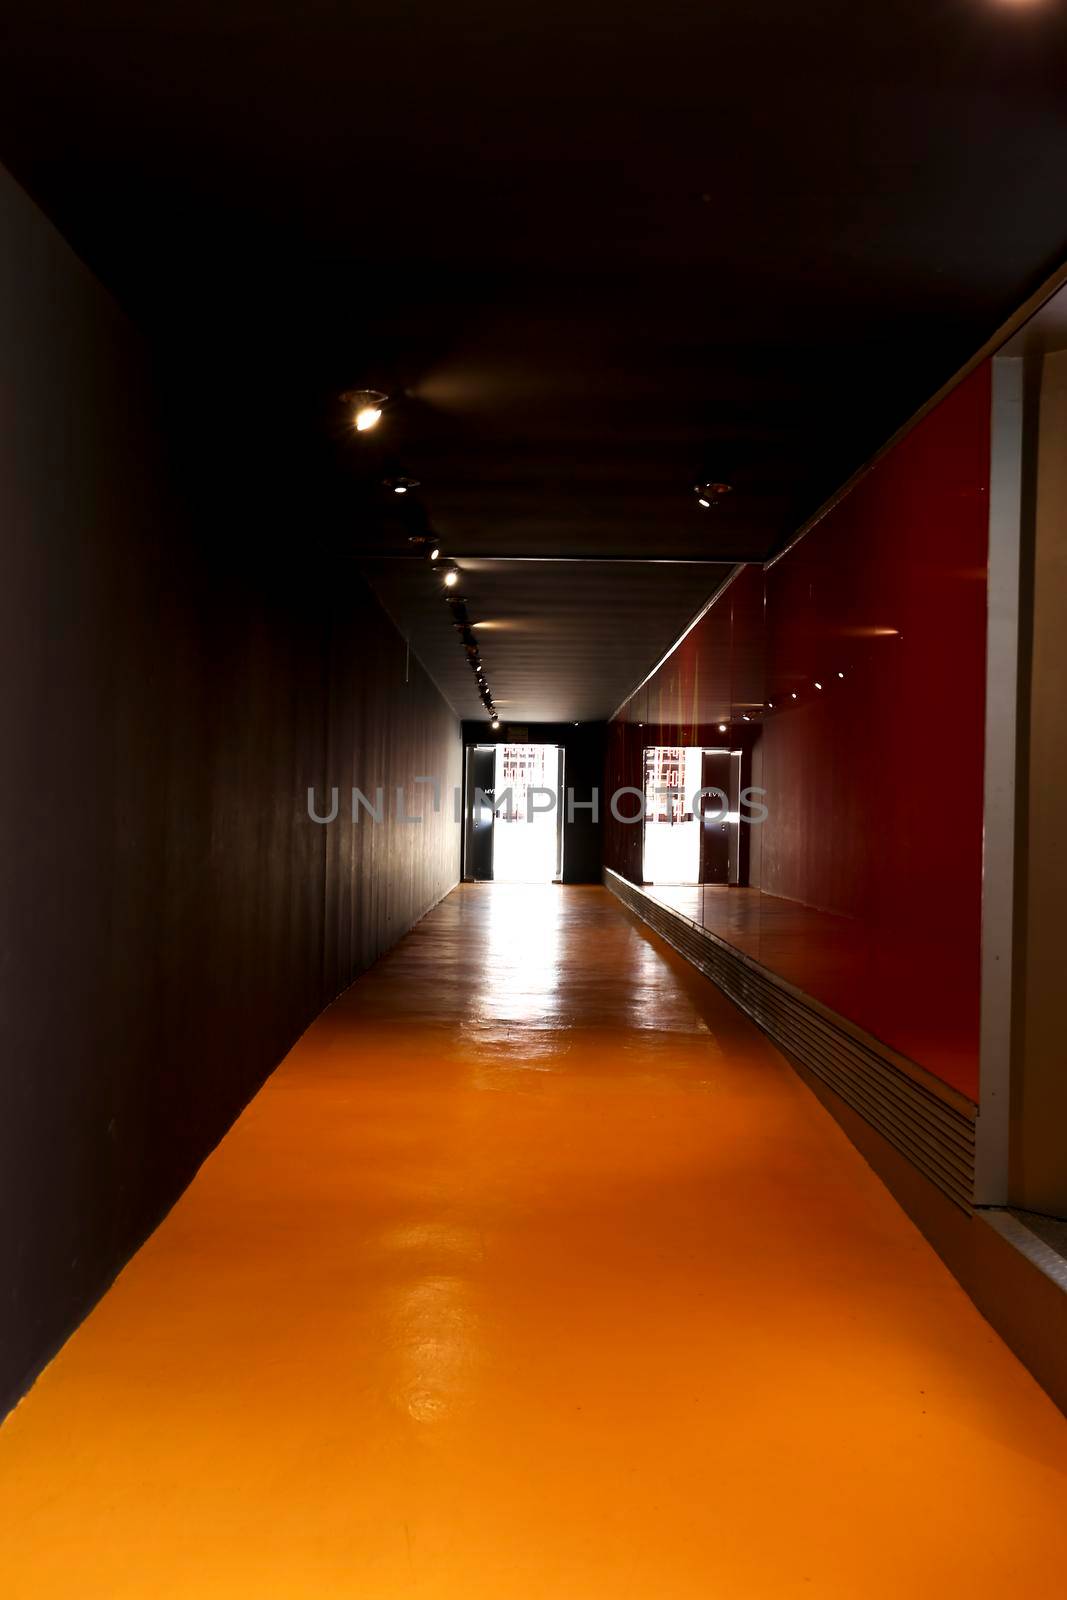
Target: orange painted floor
x: 534, y: 1273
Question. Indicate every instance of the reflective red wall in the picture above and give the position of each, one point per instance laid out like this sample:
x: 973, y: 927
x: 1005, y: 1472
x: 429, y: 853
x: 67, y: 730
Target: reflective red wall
x: 859, y: 659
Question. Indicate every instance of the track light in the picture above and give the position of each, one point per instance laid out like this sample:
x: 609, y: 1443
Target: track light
x: 366, y: 407
x: 434, y: 553
x: 400, y: 485
x: 495, y: 722
x: 722, y: 727
x: 710, y: 493
x: 462, y: 623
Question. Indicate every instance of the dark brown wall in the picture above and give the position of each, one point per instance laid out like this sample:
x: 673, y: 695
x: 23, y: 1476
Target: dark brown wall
x: 179, y: 661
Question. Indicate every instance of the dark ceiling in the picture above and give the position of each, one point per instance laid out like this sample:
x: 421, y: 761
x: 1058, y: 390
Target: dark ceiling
x: 551, y: 635
x: 595, y: 252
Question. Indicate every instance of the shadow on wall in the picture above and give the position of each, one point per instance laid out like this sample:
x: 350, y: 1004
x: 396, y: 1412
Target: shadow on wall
x: 181, y: 662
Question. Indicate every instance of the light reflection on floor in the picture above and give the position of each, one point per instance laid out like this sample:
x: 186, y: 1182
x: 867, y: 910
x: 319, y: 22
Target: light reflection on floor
x: 641, y: 1325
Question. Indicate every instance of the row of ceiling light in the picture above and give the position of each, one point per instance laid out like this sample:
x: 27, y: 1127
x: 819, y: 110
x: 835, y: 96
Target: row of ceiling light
x: 367, y: 407
x: 792, y: 695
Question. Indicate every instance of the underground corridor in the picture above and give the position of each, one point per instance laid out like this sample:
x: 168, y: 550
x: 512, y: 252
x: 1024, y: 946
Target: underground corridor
x: 533, y: 547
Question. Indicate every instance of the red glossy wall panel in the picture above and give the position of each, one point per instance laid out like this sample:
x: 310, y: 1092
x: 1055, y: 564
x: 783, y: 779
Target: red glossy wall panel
x: 875, y: 781
x: 866, y: 643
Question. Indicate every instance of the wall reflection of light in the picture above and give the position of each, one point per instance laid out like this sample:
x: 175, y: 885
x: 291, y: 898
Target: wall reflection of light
x: 643, y: 991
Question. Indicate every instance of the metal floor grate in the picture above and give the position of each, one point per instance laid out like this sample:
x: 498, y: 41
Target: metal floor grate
x: 929, y: 1124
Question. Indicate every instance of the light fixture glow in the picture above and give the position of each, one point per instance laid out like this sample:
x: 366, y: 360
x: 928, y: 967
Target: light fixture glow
x: 818, y: 686
x: 434, y: 553
x: 722, y: 727
x: 451, y: 579
x: 368, y: 417
x: 840, y: 674
x: 793, y: 695
x: 495, y: 722
x: 704, y: 502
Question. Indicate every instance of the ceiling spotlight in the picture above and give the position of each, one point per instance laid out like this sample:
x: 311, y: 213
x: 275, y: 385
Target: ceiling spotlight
x: 818, y: 685
x: 722, y: 727
x: 366, y: 407
x: 434, y: 553
x: 495, y: 722
x: 399, y: 485
x: 840, y: 674
x: 710, y: 493
x: 793, y: 695
x: 451, y: 578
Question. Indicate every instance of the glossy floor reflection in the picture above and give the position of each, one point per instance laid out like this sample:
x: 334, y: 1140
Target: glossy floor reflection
x: 534, y: 1272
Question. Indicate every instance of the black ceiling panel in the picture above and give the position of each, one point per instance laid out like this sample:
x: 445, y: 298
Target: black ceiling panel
x: 594, y: 253
x: 559, y: 641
